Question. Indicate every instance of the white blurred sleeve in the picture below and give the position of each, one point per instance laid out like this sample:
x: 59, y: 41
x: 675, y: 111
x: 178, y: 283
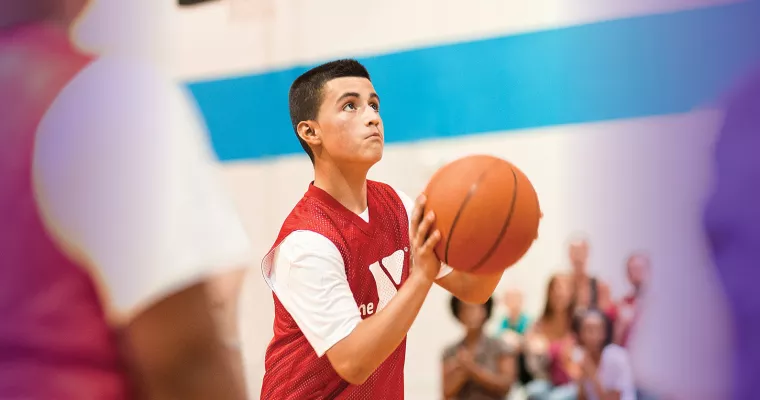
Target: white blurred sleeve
x: 126, y: 182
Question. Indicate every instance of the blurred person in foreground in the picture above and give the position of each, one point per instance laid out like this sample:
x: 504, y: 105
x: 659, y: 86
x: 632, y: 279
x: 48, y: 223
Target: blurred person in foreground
x: 606, y: 372
x: 732, y: 221
x: 477, y: 367
x: 112, y: 219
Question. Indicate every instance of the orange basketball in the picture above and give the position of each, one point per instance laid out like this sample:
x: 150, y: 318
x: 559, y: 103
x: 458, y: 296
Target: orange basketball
x: 487, y: 212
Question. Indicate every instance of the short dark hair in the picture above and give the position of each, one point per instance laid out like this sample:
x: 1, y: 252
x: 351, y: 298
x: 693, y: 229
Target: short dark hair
x: 456, y: 305
x: 305, y: 95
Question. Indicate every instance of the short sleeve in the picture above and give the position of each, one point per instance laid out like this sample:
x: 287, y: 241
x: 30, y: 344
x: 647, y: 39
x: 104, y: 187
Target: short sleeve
x: 409, y: 206
x: 126, y: 180
x: 308, y: 276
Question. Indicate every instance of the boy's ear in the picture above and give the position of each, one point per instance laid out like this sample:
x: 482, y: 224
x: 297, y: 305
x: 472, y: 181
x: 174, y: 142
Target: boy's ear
x: 309, y: 132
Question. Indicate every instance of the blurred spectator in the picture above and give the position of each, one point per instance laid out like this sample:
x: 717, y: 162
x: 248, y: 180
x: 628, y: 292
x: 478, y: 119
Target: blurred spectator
x: 512, y: 328
x: 638, y: 267
x: 515, y: 320
x: 606, y: 372
x: 550, y: 343
x: 477, y: 367
x: 590, y: 291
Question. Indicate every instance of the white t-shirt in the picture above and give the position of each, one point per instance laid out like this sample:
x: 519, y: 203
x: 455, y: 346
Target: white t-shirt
x: 309, y: 278
x: 127, y: 183
x: 614, y: 373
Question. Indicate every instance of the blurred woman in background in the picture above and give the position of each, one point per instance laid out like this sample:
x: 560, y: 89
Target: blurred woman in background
x: 550, y: 344
x: 477, y: 367
x: 606, y: 372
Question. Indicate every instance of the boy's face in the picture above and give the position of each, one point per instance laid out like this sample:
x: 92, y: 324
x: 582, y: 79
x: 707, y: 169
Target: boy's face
x: 349, y: 123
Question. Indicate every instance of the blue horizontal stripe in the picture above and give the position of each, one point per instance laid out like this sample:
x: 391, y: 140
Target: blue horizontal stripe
x: 652, y: 65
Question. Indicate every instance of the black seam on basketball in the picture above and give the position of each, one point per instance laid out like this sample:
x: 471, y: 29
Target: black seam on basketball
x: 472, y: 191
x: 503, y: 228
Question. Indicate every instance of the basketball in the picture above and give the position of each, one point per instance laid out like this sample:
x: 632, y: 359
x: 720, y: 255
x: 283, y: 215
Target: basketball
x: 487, y: 212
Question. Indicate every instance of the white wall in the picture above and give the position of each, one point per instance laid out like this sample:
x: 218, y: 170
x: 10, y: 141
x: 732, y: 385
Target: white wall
x: 208, y: 41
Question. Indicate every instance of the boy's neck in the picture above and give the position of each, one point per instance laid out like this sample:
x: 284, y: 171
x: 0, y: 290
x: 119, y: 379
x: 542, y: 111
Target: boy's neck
x: 348, y: 185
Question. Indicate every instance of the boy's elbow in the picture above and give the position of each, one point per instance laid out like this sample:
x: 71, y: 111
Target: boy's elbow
x: 351, y: 359
x: 352, y: 372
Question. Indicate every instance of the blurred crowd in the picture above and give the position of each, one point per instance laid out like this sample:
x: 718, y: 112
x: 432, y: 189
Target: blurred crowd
x: 575, y: 348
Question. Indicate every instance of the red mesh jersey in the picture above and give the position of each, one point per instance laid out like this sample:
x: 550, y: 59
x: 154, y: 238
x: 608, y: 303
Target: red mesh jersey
x: 378, y: 248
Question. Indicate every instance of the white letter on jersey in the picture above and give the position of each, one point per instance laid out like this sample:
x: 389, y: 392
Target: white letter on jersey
x: 386, y: 289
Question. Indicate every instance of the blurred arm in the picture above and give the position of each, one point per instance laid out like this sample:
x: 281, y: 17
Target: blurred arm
x: 601, y: 392
x: 623, y: 323
x: 498, y: 382
x: 617, y: 379
x: 174, y: 350
x: 454, y: 376
x: 582, y: 391
x: 605, y: 297
x: 223, y: 291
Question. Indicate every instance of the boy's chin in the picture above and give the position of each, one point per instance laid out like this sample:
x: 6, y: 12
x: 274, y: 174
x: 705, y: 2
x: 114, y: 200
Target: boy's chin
x: 372, y: 157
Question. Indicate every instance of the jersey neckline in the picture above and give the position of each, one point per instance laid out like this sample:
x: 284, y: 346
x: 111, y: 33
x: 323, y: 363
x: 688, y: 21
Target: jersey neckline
x: 323, y: 196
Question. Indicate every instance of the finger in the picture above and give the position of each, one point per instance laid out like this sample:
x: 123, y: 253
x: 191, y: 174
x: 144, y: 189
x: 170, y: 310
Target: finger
x: 419, y: 207
x: 423, y: 229
x: 431, y: 242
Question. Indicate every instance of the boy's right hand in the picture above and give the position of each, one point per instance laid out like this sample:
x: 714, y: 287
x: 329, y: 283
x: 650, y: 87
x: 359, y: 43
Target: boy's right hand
x: 424, y: 261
